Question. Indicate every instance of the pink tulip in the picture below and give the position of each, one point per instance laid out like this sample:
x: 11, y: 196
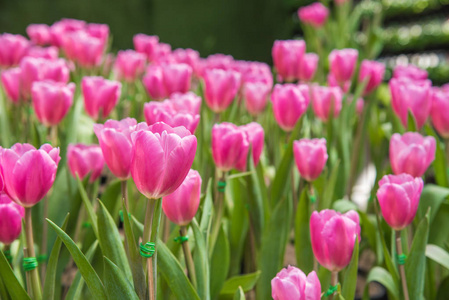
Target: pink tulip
x: 83, y: 49
x: 325, y: 100
x: 63, y: 27
x: 310, y: 157
x: 314, y: 14
x: 188, y: 102
x: 162, y: 157
x: 220, y: 88
x: 398, y: 197
x: 216, y: 61
x: 255, y: 136
x: 332, y: 82
x: 411, y: 153
x: 11, y: 83
x: 115, y: 142
x: 440, y: 111
x: 358, y: 105
x: 84, y: 160
x: 289, y: 104
x: 166, y: 112
x: 100, y: 31
x: 129, y: 65
x: 256, y: 96
x: 146, y: 44
x: 308, y: 67
x: 181, y: 206
x: 342, y: 63
x: 373, y: 72
x: 187, y: 56
x: 28, y: 174
x: 410, y: 71
x: 161, y: 52
x: 50, y: 53
x: 230, y: 146
x: 411, y: 96
x: 12, y: 48
x: 292, y: 283
x: 287, y: 57
x: 51, y: 101
x: 333, y: 237
x: 100, y: 96
x: 11, y: 215
x: 39, y: 34
x: 253, y: 71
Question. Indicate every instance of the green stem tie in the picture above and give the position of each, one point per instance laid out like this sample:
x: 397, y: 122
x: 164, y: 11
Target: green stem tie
x: 8, y: 256
x: 42, y: 258
x: 332, y: 289
x: 221, y: 186
x: 312, y: 198
x: 181, y: 239
x: 147, y: 250
x: 401, y: 259
x: 120, y: 212
x: 86, y: 225
x: 29, y: 263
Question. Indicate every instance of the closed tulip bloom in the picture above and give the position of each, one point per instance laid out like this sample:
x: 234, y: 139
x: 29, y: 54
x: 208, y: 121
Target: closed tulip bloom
x: 287, y: 57
x: 440, y: 111
x: 11, y: 215
x: 162, y: 157
x: 333, y: 236
x: 83, y: 49
x: 332, y: 82
x: 398, y: 197
x: 308, y: 67
x: 310, y: 157
x: 39, y: 34
x: 115, y: 142
x: 216, y: 61
x: 314, y: 14
x: 129, y: 65
x: 254, y: 71
x: 230, y: 146
x: 11, y: 83
x: 256, y: 96
x: 100, y: 96
x: 187, y: 102
x: 220, y: 88
x: 187, y: 56
x: 411, y: 153
x: 181, y: 206
x: 289, y: 104
x: 51, y: 101
x: 100, y: 31
x: 51, y: 52
x: 13, y: 47
x: 146, y: 44
x: 63, y: 27
x: 255, y: 135
x: 410, y: 71
x: 324, y: 100
x: 292, y: 283
x: 411, y: 96
x: 165, y: 111
x: 84, y: 160
x: 373, y: 72
x: 342, y: 63
x: 28, y: 173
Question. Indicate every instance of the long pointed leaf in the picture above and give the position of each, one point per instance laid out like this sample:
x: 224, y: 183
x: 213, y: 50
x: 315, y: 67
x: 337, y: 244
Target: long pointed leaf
x: 15, y: 290
x: 117, y: 286
x: 88, y: 205
x: 201, y: 262
x: 220, y: 263
x: 350, y: 279
x: 438, y: 255
x: 303, y: 247
x: 382, y: 276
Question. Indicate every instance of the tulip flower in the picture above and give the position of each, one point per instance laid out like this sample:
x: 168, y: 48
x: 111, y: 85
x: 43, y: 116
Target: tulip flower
x: 11, y: 83
x: 230, y: 146
x: 255, y: 136
x: 84, y: 49
x: 188, y: 102
x: 84, y: 160
x: 187, y: 56
x: 440, y: 111
x: 13, y: 47
x: 314, y: 14
x: 410, y: 71
x: 289, y: 104
x: 333, y: 236
x: 308, y: 67
x: 50, y: 53
x: 342, y: 64
x: 411, y: 153
x: 100, y: 31
x: 398, y: 197
x: 287, y: 57
x: 373, y: 72
x: 332, y: 82
x: 166, y: 112
x: 310, y: 157
x: 39, y: 34
x: 28, y: 173
x: 220, y: 88
x: 181, y: 205
x: 129, y: 65
x: 161, y: 158
x: 11, y: 215
x: 325, y: 100
x: 100, y: 96
x: 411, y: 96
x: 60, y: 29
x: 292, y: 283
x: 51, y: 101
x: 115, y: 142
x: 254, y: 71
x: 216, y: 61
x: 256, y: 96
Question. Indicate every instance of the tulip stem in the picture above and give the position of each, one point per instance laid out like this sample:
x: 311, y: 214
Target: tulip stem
x: 334, y: 282
x: 43, y: 249
x: 35, y: 282
x: 27, y: 276
x: 218, y: 214
x: 54, y: 136
x: 124, y: 186
x: 401, y: 266
x: 188, y: 257
x: 147, y: 229
x: 446, y: 144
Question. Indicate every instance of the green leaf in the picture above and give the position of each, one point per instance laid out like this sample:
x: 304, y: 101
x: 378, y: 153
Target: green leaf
x: 344, y: 206
x: 350, y: 279
x: 116, y: 284
x: 245, y: 282
x: 326, y: 200
x: 206, y: 216
x: 432, y: 196
x: 443, y: 290
x: 438, y: 255
x: 15, y: 290
x: 90, y: 276
x: 411, y: 123
x: 415, y: 265
x: 88, y: 205
x: 111, y: 198
x: 303, y: 247
x: 381, y: 276
x: 201, y: 262
x: 219, y: 263
x: 439, y: 164
x: 174, y: 274
x: 239, y: 294
x: 50, y: 275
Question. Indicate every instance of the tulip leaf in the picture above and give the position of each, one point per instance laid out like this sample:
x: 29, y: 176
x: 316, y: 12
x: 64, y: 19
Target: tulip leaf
x: 440, y: 163
x: 438, y: 255
x: 206, y: 215
x: 415, y: 265
x: 50, y: 275
x: 380, y: 275
x: 15, y: 289
x: 111, y: 198
x: 116, y: 284
x: 344, y: 205
x: 6, y: 131
x: 411, y: 122
x: 239, y: 294
x: 219, y: 263
x: 245, y: 282
x: 350, y: 279
x: 443, y: 290
x: 432, y: 196
x: 88, y: 205
x: 87, y: 271
x: 328, y: 194
x: 303, y: 247
x: 174, y: 274
x: 201, y: 262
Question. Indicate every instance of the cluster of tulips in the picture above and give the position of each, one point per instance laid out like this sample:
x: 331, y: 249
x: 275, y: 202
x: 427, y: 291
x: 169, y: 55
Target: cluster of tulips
x: 222, y: 172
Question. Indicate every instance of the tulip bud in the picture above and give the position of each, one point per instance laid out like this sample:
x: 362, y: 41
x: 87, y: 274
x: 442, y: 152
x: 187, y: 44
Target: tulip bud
x: 255, y: 135
x: 39, y: 34
x: 11, y: 83
x: 308, y: 67
x: 289, y: 104
x: 146, y: 44
x: 310, y: 157
x: 84, y: 49
x: 292, y: 283
x: 11, y: 215
x: 440, y: 111
x: 181, y: 206
x: 220, y: 88
x: 13, y: 48
x: 50, y: 53
x: 398, y: 197
x: 60, y: 29
x: 230, y: 146
x: 411, y: 153
x: 188, y: 102
x: 342, y: 64
x: 333, y: 236
x: 287, y: 57
x: 216, y: 61
x: 28, y: 174
x: 314, y: 14
x: 410, y: 71
x: 373, y: 72
x: 100, y: 31
x: 85, y: 160
x: 325, y: 100
x: 256, y: 96
x: 100, y: 96
x: 129, y: 65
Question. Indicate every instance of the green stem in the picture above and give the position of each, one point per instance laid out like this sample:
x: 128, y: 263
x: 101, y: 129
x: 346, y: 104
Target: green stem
x: 188, y: 257
x: 401, y: 266
x: 218, y: 216
x: 334, y: 282
x: 35, y: 282
x: 147, y: 234
x: 124, y: 186
x: 43, y: 249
